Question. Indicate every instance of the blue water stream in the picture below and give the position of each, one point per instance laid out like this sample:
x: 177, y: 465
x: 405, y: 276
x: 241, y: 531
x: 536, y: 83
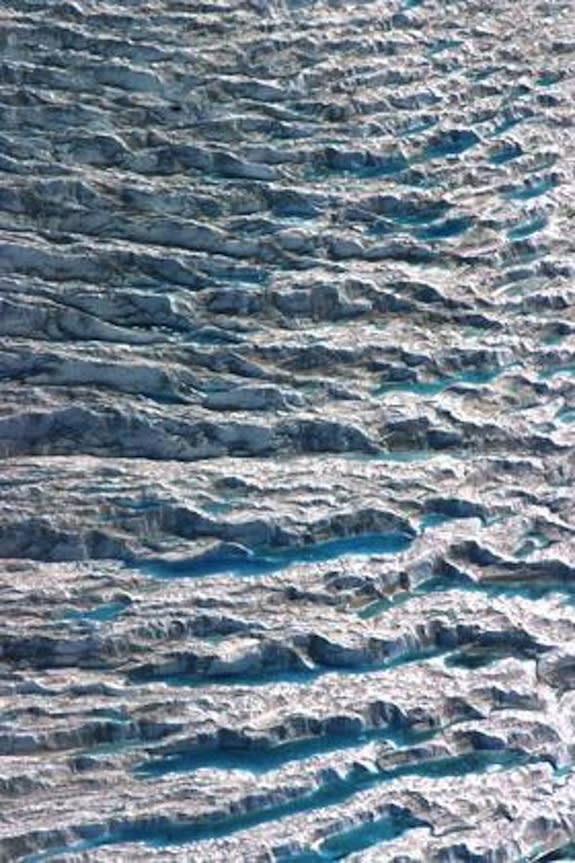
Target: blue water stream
x: 337, y: 790
x: 262, y: 561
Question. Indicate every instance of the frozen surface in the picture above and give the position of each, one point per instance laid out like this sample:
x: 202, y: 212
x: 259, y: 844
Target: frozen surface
x: 286, y: 427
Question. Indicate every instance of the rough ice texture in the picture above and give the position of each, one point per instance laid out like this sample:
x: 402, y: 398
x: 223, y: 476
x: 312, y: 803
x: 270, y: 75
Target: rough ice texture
x: 286, y: 428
